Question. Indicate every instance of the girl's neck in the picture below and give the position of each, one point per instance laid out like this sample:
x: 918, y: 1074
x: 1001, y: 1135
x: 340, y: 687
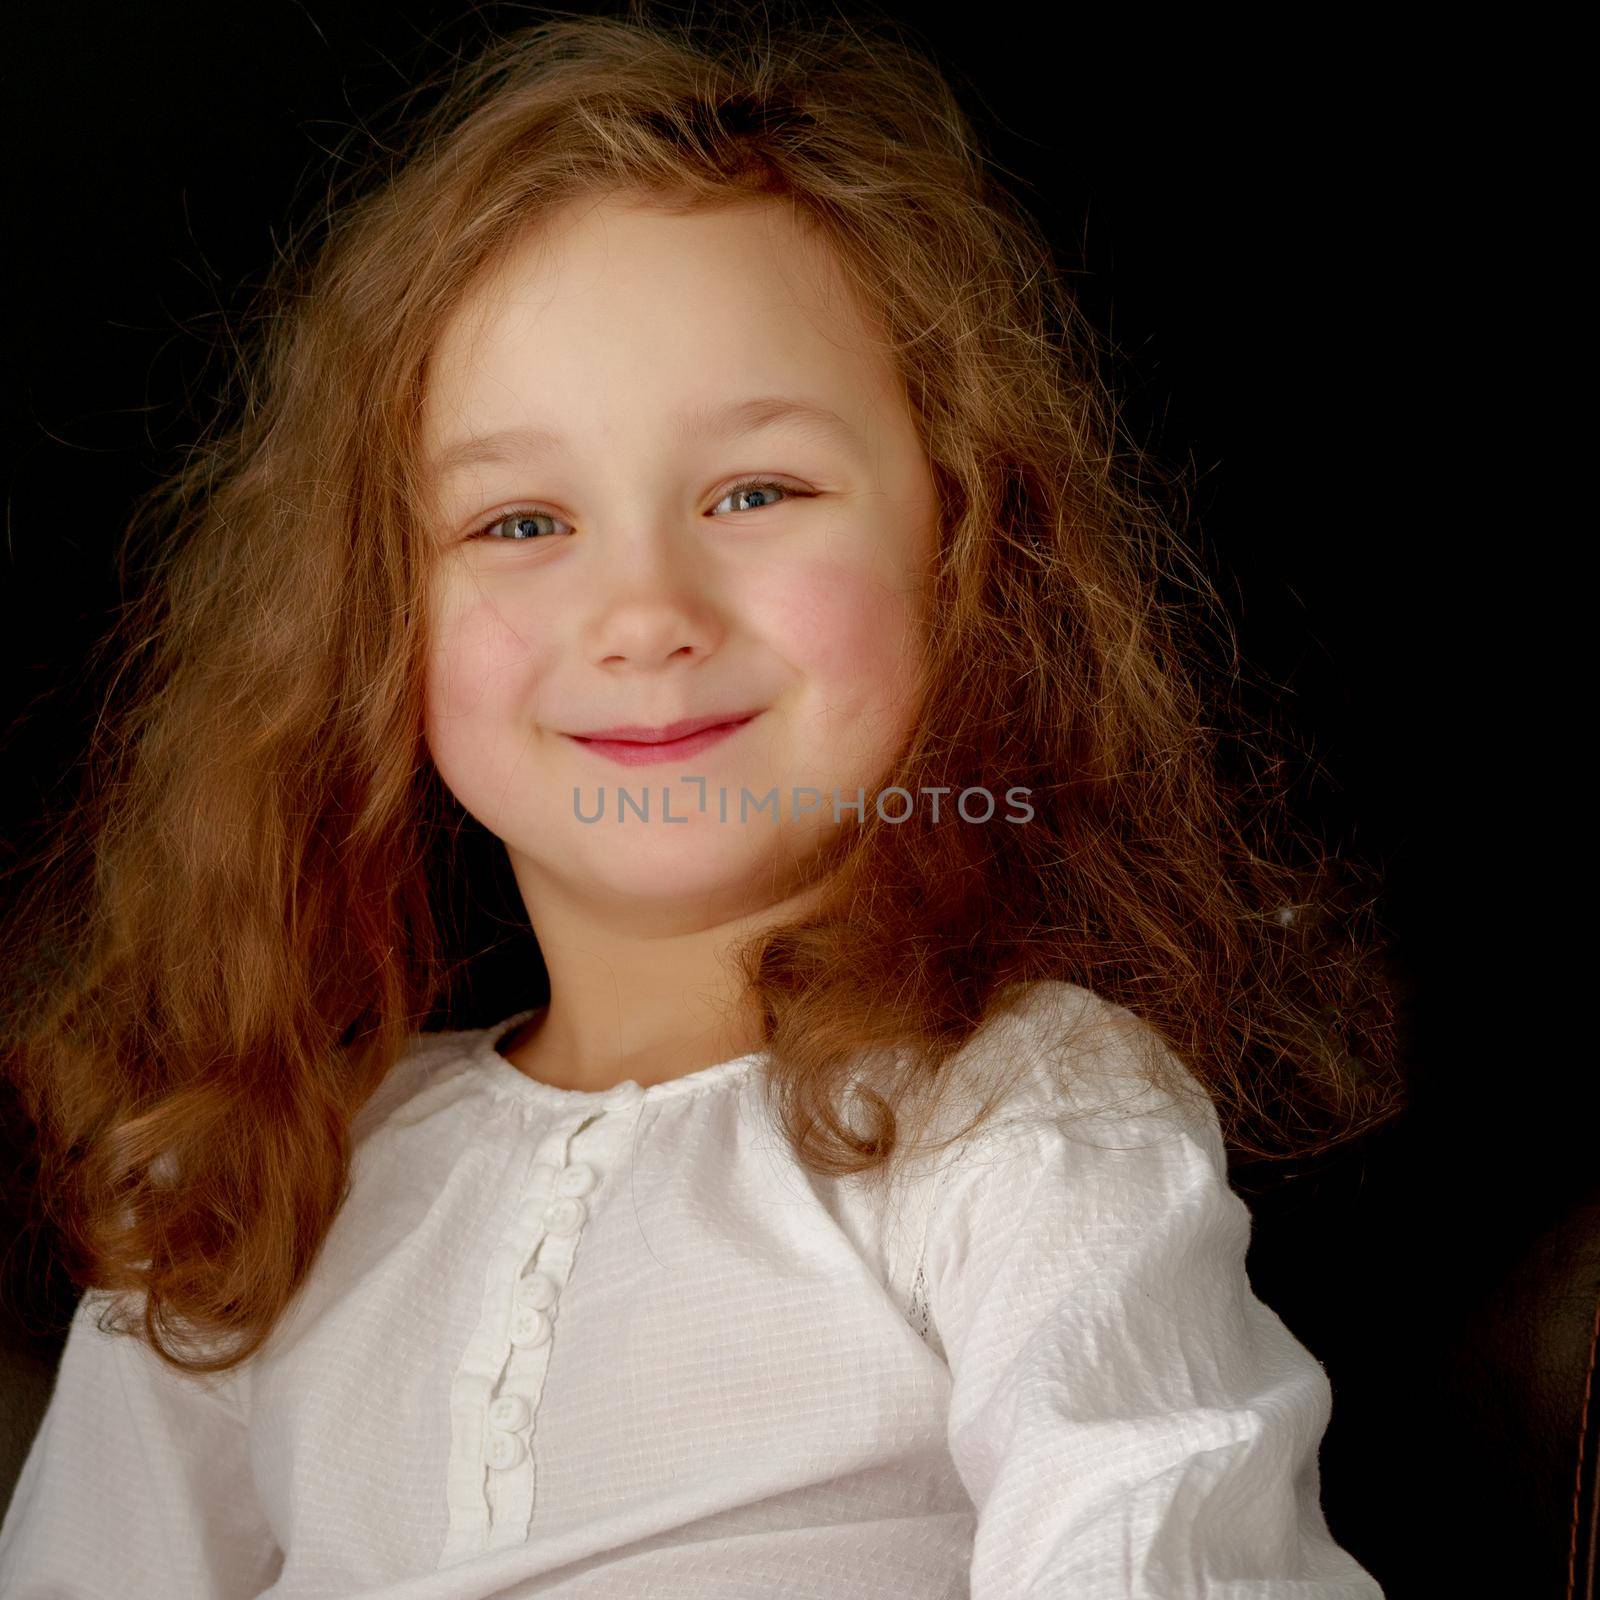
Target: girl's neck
x: 544, y: 1052
x: 636, y: 1000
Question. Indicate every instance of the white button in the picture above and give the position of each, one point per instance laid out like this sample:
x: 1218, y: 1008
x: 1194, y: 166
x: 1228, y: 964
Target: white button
x: 576, y: 1179
x: 504, y: 1450
x: 565, y: 1215
x: 510, y: 1412
x: 529, y: 1326
x: 538, y: 1290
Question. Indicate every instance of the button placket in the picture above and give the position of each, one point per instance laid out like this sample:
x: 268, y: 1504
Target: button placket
x: 508, y: 1419
x: 489, y: 1485
x: 556, y: 1205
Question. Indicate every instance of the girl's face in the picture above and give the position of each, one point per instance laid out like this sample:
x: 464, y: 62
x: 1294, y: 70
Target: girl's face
x: 635, y: 529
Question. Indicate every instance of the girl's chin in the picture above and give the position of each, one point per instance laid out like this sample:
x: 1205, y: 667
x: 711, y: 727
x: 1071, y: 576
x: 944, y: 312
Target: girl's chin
x: 662, y: 867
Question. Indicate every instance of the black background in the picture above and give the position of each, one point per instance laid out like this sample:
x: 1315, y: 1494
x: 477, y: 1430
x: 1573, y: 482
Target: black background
x: 1273, y: 230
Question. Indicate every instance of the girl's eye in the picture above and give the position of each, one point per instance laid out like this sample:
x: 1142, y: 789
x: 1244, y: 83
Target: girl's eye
x: 520, y: 522
x: 751, y: 485
x: 524, y: 523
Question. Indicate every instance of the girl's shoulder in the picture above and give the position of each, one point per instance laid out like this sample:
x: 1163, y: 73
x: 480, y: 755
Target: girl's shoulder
x: 1053, y: 1057
x: 427, y: 1062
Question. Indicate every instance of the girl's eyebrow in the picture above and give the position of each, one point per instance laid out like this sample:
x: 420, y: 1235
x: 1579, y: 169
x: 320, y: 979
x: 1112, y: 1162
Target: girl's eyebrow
x: 722, y: 420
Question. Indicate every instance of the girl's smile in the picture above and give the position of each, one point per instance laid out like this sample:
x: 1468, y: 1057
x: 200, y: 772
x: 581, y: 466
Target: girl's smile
x: 638, y: 747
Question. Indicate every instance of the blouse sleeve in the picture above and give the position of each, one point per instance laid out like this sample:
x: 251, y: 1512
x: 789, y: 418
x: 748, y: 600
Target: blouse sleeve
x: 137, y: 1483
x: 1131, y: 1422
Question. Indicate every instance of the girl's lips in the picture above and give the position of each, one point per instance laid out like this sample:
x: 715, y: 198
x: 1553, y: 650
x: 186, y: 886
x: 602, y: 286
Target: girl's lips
x: 631, y: 753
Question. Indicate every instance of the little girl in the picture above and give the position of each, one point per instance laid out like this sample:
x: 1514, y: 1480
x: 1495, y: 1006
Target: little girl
x: 685, y: 469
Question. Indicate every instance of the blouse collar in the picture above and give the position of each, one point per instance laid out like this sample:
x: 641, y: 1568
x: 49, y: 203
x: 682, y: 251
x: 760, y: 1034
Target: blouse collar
x: 508, y: 1079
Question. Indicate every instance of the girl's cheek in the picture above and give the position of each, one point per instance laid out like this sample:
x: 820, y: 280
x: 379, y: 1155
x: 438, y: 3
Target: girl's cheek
x: 479, y: 659
x: 848, y: 629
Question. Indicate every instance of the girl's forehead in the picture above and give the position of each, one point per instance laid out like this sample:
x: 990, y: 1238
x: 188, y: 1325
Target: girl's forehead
x: 623, y: 298
x: 625, y: 272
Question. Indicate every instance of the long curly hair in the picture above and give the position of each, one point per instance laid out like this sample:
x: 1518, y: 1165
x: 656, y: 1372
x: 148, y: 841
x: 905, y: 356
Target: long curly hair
x: 247, y: 909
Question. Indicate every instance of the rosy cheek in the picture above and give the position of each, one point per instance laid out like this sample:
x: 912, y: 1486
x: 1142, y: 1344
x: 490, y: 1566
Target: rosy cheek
x: 848, y: 629
x: 848, y: 632
x: 478, y: 659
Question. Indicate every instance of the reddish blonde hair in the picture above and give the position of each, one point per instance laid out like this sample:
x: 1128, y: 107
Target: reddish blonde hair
x: 244, y: 916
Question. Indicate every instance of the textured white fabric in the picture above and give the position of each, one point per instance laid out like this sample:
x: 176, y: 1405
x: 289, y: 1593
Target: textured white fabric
x: 623, y: 1345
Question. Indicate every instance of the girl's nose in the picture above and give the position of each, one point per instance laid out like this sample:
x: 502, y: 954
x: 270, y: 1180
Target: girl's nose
x: 647, y: 614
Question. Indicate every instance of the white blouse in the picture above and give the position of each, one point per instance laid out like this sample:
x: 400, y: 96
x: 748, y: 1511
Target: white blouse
x: 623, y: 1345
